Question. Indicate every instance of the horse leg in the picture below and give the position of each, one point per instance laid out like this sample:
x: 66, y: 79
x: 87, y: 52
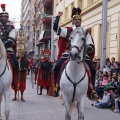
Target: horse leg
x: 0, y: 105
x: 80, y: 107
x: 7, y: 101
x: 67, y: 107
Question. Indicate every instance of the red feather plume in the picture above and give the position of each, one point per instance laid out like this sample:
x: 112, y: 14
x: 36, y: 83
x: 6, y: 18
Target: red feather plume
x: 46, y: 51
x: 3, y: 6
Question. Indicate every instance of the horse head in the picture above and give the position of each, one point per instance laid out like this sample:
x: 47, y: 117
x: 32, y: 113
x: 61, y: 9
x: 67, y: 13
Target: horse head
x: 78, y: 44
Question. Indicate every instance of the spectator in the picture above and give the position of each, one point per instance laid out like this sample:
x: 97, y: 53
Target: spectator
x: 109, y: 82
x: 113, y: 85
x: 105, y: 80
x: 117, y: 66
x: 117, y: 100
x: 113, y: 61
x: 108, y: 67
x: 104, y: 103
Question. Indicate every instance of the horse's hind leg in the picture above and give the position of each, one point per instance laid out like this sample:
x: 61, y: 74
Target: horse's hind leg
x: 67, y: 107
x: 80, y: 107
x: 7, y: 100
x: 0, y: 105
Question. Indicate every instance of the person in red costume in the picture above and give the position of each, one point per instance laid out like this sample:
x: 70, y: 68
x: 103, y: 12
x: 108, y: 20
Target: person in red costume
x: 45, y: 72
x: 22, y: 77
x: 64, y: 45
x: 8, y: 37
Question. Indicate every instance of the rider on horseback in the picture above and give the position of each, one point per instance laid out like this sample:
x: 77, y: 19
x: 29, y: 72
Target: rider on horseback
x: 64, y: 33
x: 7, y: 35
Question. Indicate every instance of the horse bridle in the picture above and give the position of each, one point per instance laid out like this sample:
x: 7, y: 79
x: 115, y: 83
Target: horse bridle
x: 75, y: 84
x: 80, y: 49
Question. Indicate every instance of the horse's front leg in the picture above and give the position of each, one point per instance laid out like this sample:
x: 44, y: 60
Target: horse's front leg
x: 0, y: 105
x: 7, y: 101
x: 80, y: 107
x: 67, y: 107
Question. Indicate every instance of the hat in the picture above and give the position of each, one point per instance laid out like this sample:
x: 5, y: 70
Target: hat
x: 76, y: 13
x: 46, y: 53
x: 4, y: 13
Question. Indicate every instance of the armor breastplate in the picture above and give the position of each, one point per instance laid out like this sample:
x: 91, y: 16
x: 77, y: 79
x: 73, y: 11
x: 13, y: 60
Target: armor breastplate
x: 2, y: 36
x: 6, y: 29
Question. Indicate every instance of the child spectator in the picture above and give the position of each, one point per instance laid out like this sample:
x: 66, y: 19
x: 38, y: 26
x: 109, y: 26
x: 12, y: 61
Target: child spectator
x: 104, y: 103
x: 109, y: 82
x: 113, y: 85
x: 105, y: 80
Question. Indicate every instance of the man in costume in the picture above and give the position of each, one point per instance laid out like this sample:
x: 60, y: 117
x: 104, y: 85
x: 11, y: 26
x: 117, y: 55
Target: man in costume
x: 35, y: 67
x: 22, y: 80
x: 8, y: 35
x: 44, y: 72
x: 63, y: 45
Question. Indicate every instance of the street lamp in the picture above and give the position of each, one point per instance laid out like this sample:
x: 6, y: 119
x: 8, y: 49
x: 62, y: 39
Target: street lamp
x: 52, y: 33
x: 35, y: 36
x: 104, y: 31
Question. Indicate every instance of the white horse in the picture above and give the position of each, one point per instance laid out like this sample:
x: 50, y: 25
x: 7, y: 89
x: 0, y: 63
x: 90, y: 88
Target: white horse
x: 74, y: 79
x: 5, y: 80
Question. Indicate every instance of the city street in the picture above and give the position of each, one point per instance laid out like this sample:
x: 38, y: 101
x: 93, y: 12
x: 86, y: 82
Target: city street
x: 45, y: 107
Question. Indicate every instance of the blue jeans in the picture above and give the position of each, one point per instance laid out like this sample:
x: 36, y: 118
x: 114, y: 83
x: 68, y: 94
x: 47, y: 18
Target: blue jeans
x: 117, y: 102
x: 57, y: 68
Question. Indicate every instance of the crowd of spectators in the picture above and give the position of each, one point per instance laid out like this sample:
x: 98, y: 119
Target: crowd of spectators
x: 107, y: 85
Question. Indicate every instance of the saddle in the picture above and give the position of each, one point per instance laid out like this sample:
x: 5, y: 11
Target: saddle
x: 11, y: 62
x: 61, y: 70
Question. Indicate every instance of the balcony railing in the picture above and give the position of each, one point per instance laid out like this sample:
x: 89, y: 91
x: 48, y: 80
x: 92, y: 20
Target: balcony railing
x: 45, y: 20
x: 45, y: 2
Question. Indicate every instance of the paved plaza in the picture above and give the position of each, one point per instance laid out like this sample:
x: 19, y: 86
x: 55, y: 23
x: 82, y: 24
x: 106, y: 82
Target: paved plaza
x: 45, y: 107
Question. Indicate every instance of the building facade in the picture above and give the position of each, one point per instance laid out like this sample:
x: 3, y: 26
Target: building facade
x: 92, y: 20
x: 37, y: 27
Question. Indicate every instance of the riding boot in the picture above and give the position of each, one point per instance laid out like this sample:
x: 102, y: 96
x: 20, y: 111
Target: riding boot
x: 56, y: 92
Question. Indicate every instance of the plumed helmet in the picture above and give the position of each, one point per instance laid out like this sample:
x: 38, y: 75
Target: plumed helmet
x: 4, y: 13
x: 46, y: 53
x: 76, y: 13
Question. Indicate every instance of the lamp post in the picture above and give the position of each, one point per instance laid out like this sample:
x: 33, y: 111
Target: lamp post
x: 34, y: 27
x: 52, y: 33
x: 104, y: 31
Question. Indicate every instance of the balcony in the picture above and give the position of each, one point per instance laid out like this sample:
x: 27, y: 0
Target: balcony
x: 45, y: 20
x: 45, y: 36
x: 45, y: 3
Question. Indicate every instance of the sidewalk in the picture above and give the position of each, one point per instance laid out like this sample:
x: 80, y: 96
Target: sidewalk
x: 43, y: 107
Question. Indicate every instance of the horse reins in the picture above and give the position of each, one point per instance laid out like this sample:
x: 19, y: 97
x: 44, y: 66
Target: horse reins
x: 74, y: 84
